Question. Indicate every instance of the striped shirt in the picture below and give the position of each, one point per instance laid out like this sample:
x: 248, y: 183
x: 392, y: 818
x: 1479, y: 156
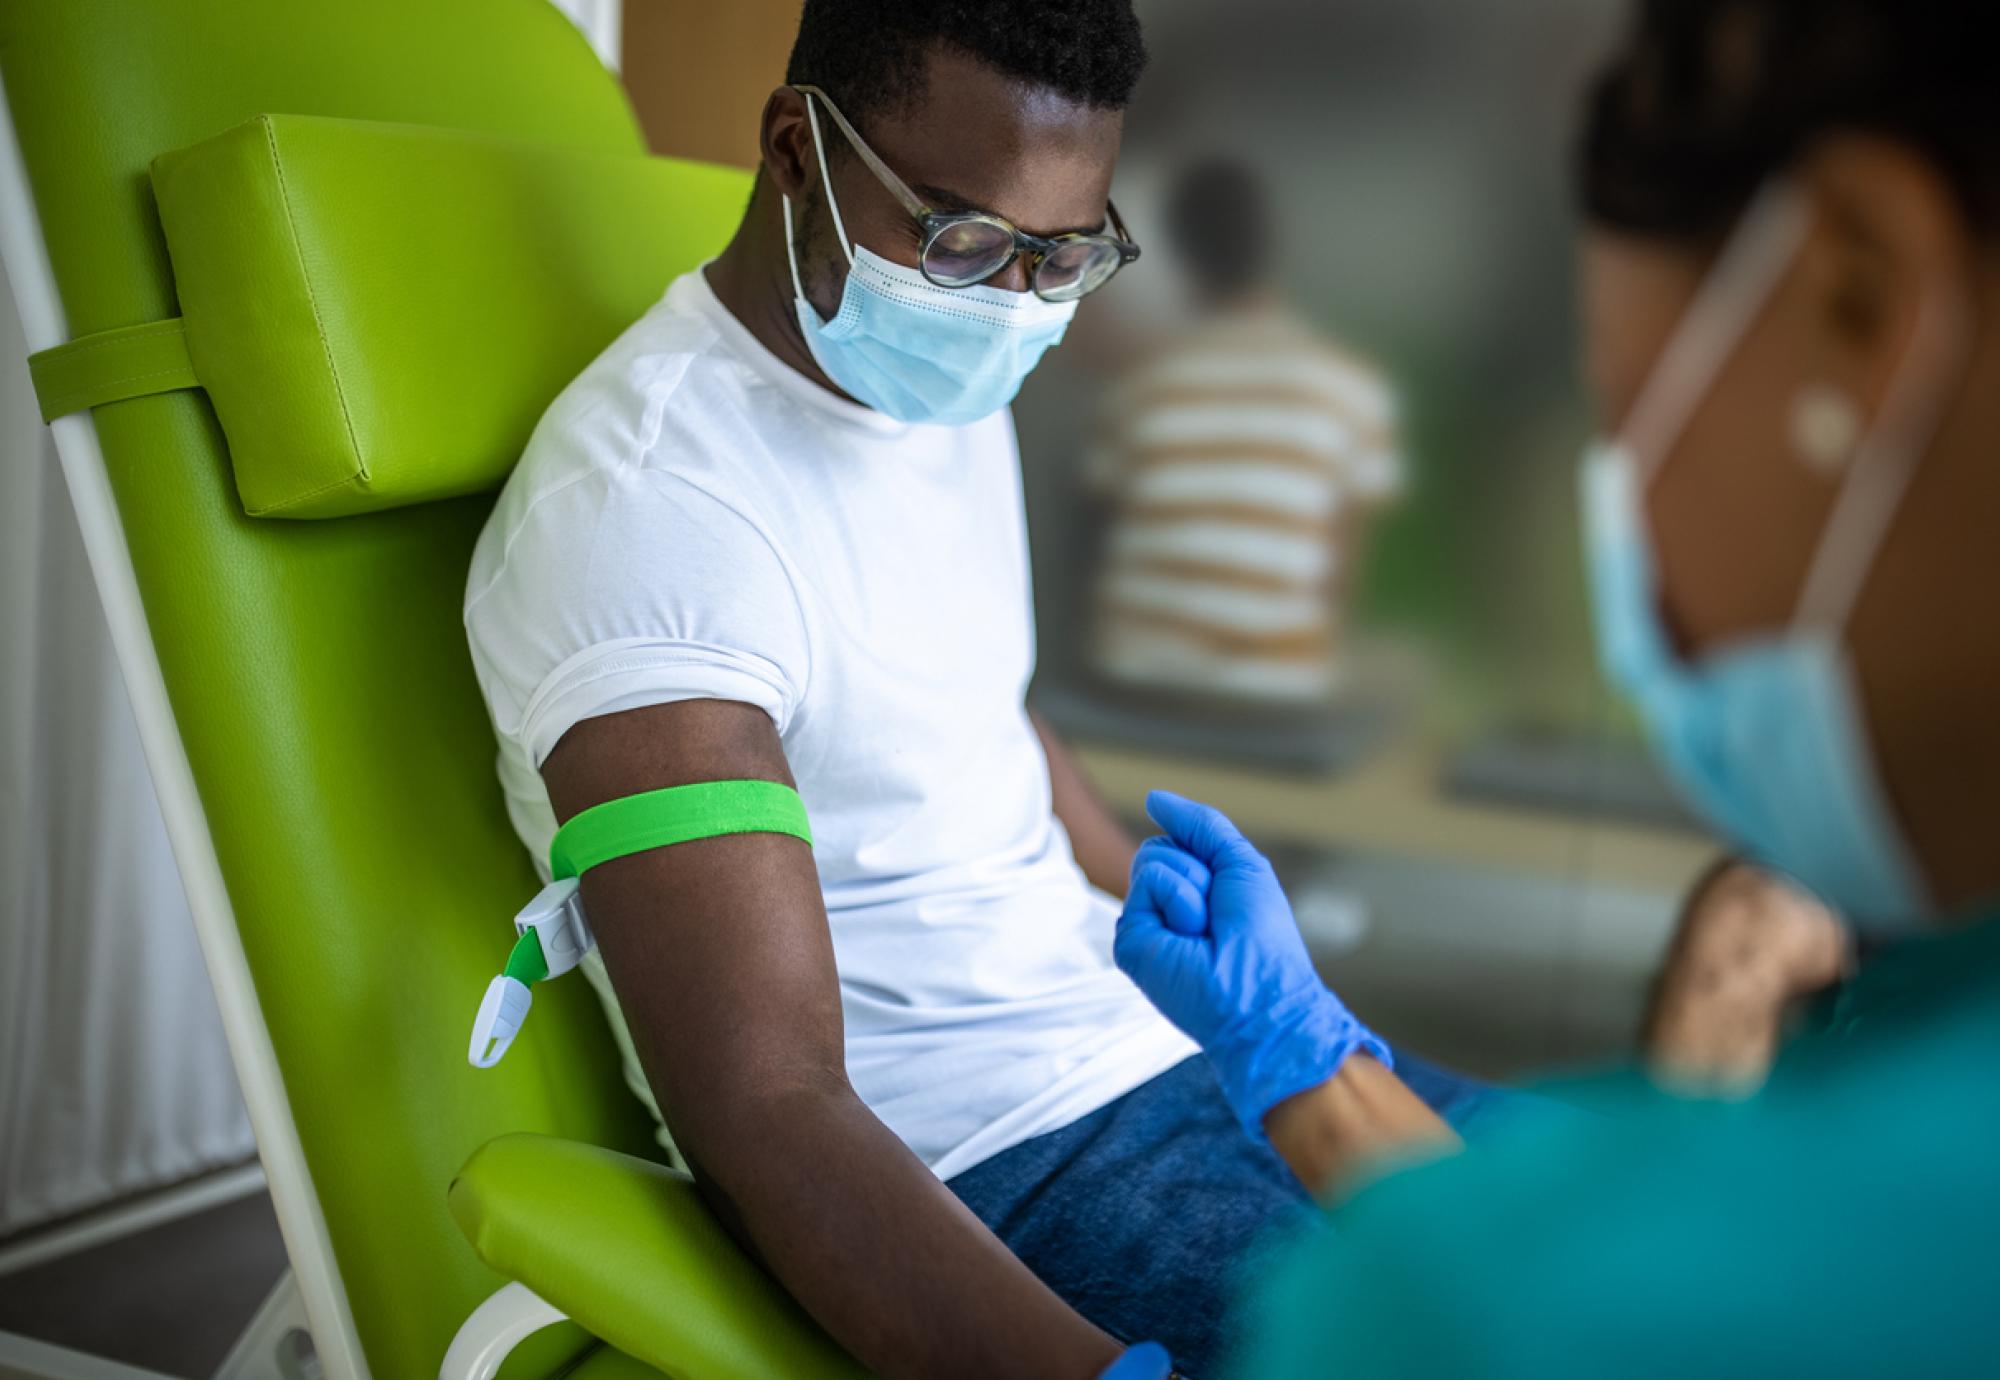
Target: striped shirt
x: 1241, y: 461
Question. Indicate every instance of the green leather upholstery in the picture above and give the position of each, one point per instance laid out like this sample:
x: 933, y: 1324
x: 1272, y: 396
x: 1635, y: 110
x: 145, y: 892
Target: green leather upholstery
x: 627, y: 1248
x: 317, y: 672
x: 608, y: 1363
x: 380, y: 312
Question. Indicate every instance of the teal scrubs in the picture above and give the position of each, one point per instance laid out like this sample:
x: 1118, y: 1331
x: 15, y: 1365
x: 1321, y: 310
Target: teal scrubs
x: 1843, y: 1222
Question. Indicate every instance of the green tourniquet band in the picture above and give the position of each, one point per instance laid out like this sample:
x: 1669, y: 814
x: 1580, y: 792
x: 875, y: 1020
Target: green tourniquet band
x: 678, y: 814
x: 527, y: 965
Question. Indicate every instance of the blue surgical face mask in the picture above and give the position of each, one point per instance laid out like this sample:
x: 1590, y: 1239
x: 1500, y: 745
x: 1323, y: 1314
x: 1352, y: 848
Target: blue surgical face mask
x: 1765, y: 736
x: 919, y: 352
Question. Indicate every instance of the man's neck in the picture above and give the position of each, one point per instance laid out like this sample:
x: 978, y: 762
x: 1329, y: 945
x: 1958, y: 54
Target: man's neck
x: 753, y: 281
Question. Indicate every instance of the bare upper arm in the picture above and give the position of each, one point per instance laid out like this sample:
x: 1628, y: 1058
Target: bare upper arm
x: 718, y: 949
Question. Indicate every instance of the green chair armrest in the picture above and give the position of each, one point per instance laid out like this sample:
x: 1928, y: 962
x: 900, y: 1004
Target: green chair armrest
x: 628, y: 1249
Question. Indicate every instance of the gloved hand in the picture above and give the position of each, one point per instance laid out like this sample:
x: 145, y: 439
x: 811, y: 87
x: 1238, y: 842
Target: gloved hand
x: 1209, y: 937
x: 1146, y: 1361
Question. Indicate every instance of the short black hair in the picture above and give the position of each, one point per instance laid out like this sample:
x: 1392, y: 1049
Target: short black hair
x: 1219, y: 223
x: 1712, y: 97
x: 869, y: 54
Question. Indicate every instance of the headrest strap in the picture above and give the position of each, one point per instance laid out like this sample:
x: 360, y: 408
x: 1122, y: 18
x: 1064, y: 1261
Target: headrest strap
x: 111, y: 366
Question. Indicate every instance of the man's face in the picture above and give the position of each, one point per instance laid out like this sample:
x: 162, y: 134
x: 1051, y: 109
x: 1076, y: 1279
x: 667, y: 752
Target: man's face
x: 973, y: 140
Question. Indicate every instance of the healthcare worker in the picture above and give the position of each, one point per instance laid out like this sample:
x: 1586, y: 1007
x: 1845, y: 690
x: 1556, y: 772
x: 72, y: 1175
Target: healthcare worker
x: 1791, y: 273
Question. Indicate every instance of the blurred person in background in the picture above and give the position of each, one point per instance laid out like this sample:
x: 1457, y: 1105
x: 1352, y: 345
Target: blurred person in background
x: 1791, y: 273
x: 1243, y: 460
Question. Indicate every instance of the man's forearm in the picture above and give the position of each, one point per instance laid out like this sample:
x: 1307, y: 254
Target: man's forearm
x: 723, y: 961
x: 1354, y: 1124
x: 1102, y: 845
x: 879, y: 1251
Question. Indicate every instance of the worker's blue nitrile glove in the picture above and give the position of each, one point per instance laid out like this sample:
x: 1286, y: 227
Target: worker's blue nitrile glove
x: 1165, y: 852
x: 1146, y: 1361
x: 1209, y: 937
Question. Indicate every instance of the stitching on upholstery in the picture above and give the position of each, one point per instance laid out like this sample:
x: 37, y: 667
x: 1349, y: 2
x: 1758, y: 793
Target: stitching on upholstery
x: 357, y: 480
x: 124, y: 335
x: 319, y: 324
x: 82, y: 397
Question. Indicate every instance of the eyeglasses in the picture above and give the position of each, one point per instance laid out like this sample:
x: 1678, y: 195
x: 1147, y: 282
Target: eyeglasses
x: 962, y: 248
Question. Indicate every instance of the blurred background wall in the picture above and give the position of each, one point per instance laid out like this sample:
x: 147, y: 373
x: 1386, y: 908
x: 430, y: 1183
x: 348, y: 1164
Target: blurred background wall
x: 1415, y: 153
x: 698, y: 72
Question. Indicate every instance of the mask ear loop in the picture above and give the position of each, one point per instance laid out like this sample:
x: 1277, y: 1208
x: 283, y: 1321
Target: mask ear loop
x: 1744, y: 280
x: 1872, y: 494
x: 791, y: 258
x: 832, y: 204
x: 826, y: 181
x: 1884, y: 464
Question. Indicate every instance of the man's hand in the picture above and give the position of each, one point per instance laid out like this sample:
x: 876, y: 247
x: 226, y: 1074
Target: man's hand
x: 721, y: 957
x: 1750, y: 947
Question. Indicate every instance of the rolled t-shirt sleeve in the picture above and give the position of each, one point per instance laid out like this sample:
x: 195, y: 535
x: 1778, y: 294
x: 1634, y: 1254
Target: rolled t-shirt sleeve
x: 632, y: 587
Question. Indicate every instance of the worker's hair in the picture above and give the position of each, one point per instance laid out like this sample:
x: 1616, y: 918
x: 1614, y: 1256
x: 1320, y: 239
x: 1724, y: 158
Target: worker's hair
x: 1711, y: 97
x: 1219, y: 224
x: 869, y: 55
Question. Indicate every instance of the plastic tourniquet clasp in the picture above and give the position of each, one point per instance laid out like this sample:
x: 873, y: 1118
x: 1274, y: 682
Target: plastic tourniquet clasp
x: 554, y: 934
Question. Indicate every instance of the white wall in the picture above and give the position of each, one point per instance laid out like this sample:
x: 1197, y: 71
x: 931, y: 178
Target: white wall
x: 600, y: 21
x: 114, y: 1078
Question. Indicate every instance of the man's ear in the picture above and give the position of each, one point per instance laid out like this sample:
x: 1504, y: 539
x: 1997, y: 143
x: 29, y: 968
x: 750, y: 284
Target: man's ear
x: 1893, y: 243
x: 785, y: 141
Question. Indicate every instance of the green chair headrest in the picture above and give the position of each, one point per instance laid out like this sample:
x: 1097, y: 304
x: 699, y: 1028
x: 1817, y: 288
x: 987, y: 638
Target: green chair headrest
x: 380, y: 313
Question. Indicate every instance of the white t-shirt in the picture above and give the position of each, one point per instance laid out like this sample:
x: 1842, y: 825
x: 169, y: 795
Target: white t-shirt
x: 694, y: 519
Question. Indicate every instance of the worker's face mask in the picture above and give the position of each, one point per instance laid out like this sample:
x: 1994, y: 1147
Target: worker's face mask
x: 1764, y: 736
x: 916, y: 351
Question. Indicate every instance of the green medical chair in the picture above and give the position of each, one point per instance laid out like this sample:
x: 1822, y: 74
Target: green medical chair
x: 301, y: 277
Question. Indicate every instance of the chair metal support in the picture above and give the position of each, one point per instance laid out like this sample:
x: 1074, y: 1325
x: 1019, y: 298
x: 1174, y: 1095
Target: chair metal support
x: 510, y: 1314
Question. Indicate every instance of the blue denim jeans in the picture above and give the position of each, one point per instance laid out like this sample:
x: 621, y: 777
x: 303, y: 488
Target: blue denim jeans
x: 1145, y: 1214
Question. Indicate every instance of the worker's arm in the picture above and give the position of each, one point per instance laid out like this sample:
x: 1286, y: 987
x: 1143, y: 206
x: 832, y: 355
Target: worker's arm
x: 1102, y: 845
x: 1208, y: 935
x: 1844, y: 1229
x: 721, y: 958
x: 1749, y: 950
x: 1362, y: 1122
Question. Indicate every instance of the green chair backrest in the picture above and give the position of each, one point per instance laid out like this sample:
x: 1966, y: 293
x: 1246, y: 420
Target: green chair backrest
x: 317, y: 670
